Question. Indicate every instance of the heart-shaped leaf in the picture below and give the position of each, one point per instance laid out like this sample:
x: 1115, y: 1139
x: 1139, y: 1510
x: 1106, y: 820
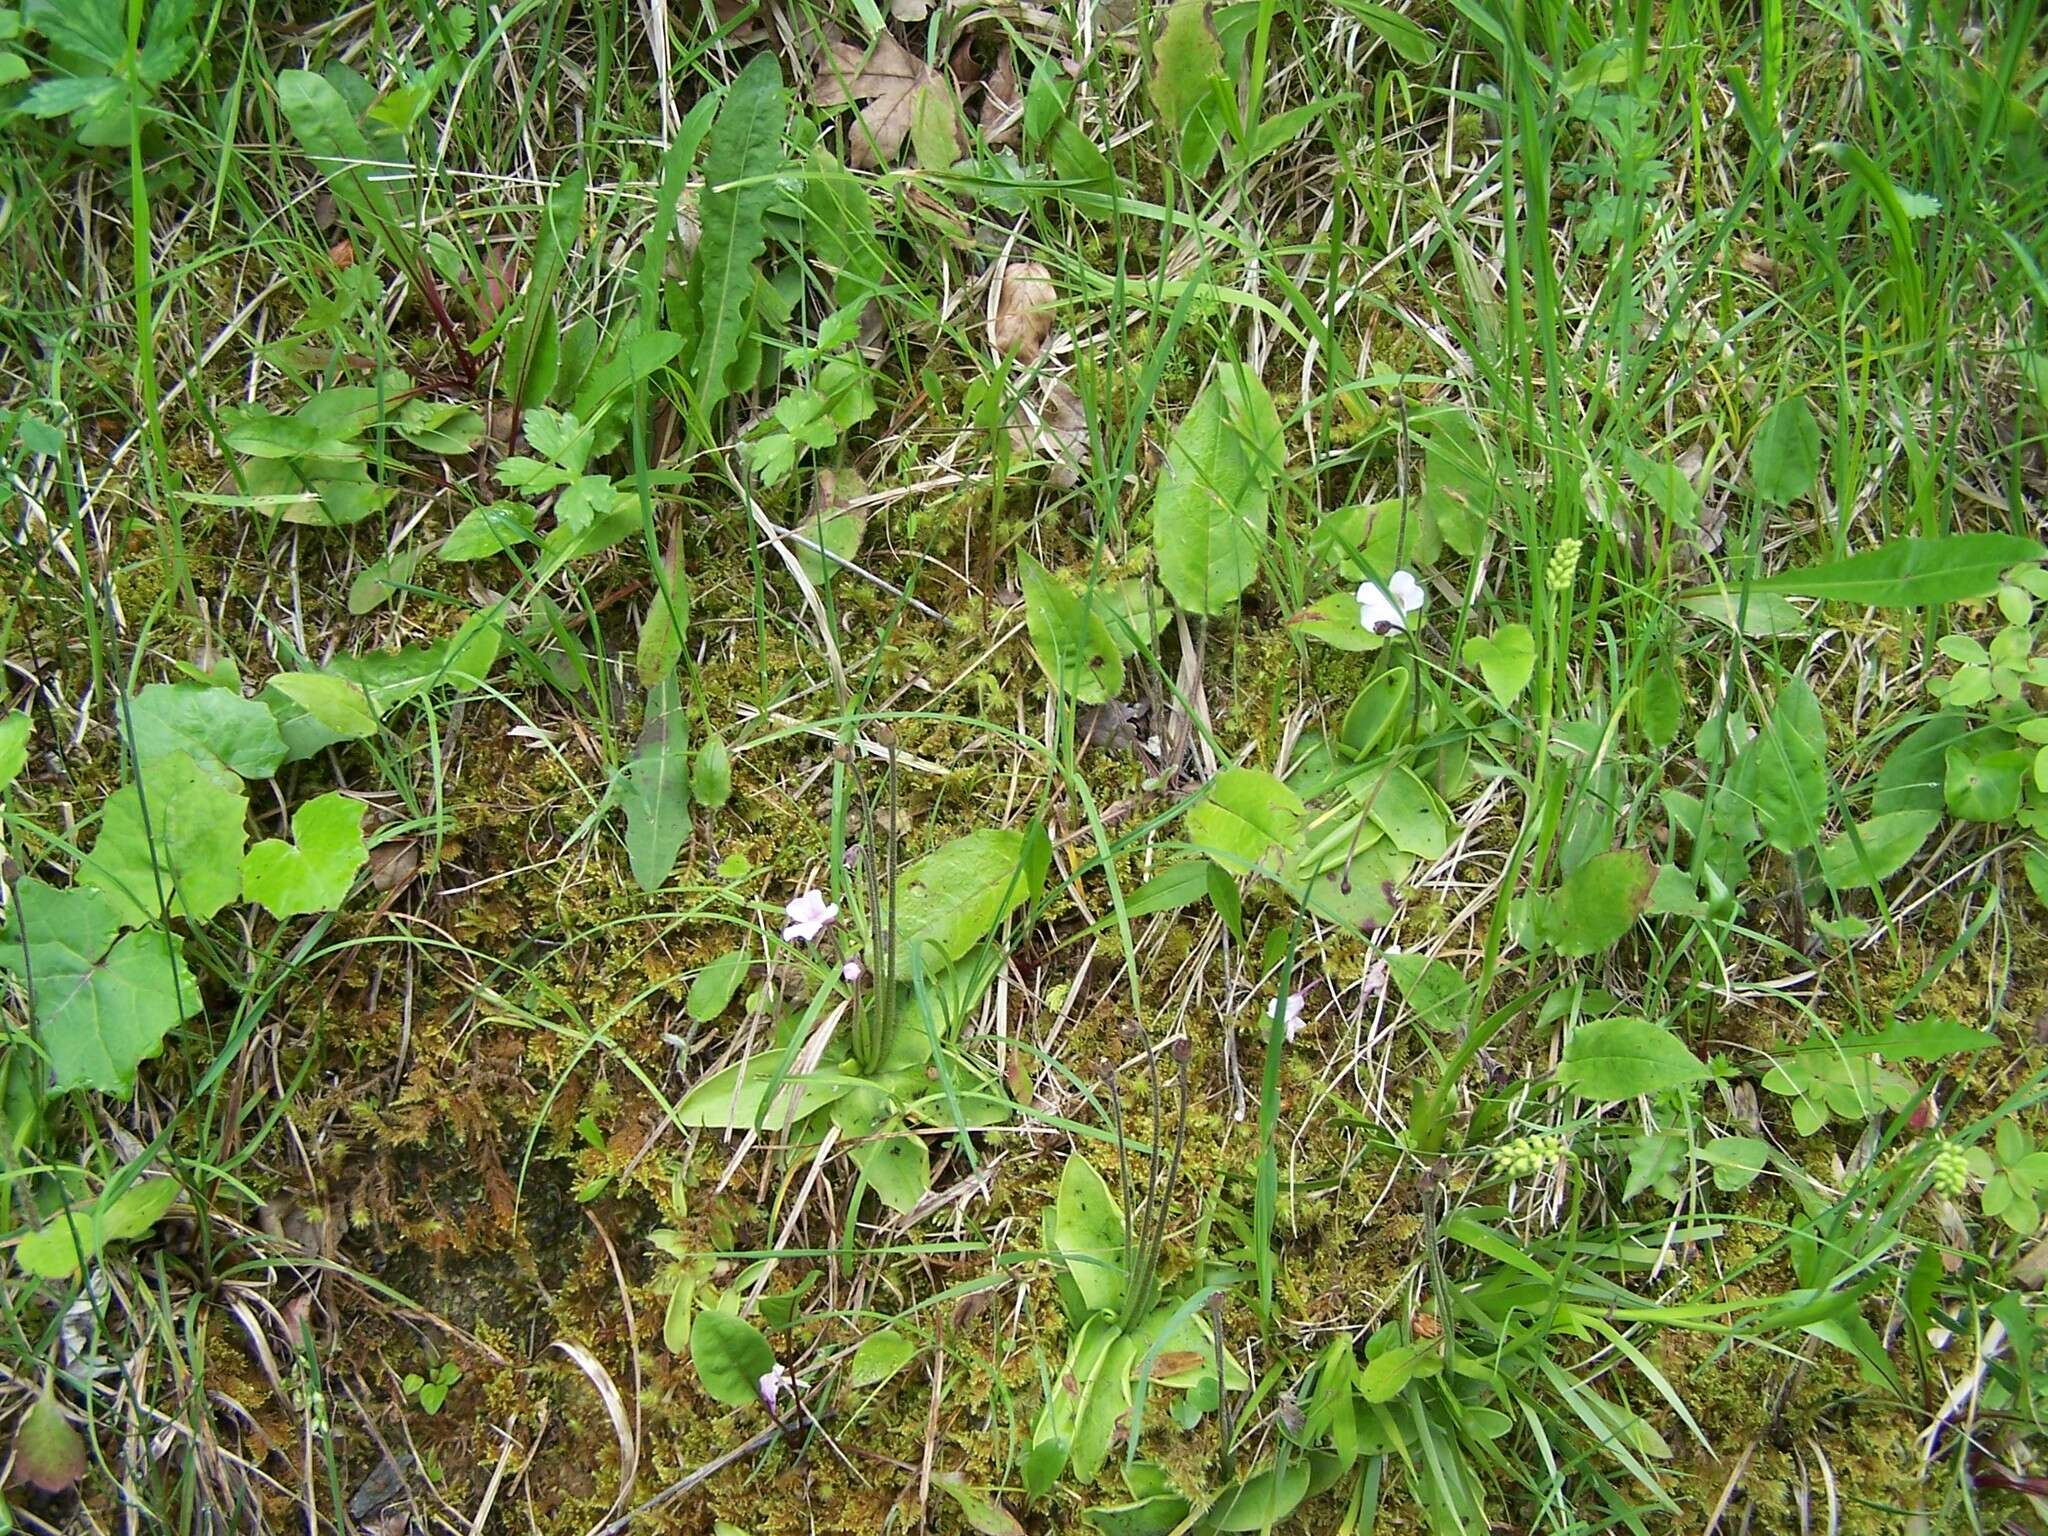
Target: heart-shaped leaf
x: 312, y: 873
x: 1506, y: 659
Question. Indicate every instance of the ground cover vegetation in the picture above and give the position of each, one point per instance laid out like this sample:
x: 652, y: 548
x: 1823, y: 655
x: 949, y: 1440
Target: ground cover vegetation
x: 1126, y: 767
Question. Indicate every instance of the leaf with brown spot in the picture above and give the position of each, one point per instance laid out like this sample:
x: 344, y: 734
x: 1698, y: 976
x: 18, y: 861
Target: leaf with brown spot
x: 1173, y: 1361
x: 48, y: 1454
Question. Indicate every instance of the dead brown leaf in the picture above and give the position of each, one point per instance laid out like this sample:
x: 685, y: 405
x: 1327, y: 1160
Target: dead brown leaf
x: 900, y: 96
x: 1054, y: 429
x: 1002, y: 104
x: 1024, y: 305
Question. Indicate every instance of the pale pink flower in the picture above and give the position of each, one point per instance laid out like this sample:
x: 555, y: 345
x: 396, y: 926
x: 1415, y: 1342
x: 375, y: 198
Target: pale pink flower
x: 809, y: 915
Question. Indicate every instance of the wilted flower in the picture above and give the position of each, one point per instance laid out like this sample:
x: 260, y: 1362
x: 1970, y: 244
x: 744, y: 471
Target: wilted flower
x: 1384, y: 609
x: 809, y: 915
x: 851, y: 971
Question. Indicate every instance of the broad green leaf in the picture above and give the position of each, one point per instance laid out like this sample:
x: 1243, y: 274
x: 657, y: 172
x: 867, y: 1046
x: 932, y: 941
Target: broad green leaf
x: 1932, y: 1039
x: 1068, y: 637
x: 1088, y: 1230
x: 1387, y: 1375
x: 1913, y: 771
x: 1623, y: 1057
x: 666, y: 628
x: 713, y: 990
x: 102, y: 1005
x: 711, y: 774
x: 955, y: 896
x: 185, y: 858
x: 1736, y: 1161
x: 1246, y: 816
x: 69, y: 1240
x: 1335, y: 621
x: 1186, y: 62
x: 1660, y: 705
x: 13, y: 747
x: 1784, y: 457
x: 730, y: 1357
x: 489, y: 530
x: 839, y: 226
x: 231, y: 738
x: 1105, y: 1398
x: 1402, y: 806
x: 1377, y: 717
x: 389, y: 678
x: 1435, y: 990
x: 978, y: 1510
x: 383, y: 579
x: 1408, y: 40
x: 49, y: 1455
x: 828, y: 538
x: 741, y: 162
x: 879, y: 1357
x: 315, y: 710
x: 1875, y: 850
x: 1157, y: 1514
x: 756, y: 1092
x: 1984, y: 784
x: 446, y: 427
x: 333, y: 140
x: 1599, y: 903
x: 1784, y: 771
x: 1506, y: 659
x: 315, y: 875
x: 1913, y: 572
x: 1461, y: 485
x: 654, y: 788
x: 1262, y: 1501
x: 1370, y: 540
x: 1757, y: 614
x: 1133, y: 612
x: 1209, y: 520
x: 1363, y: 894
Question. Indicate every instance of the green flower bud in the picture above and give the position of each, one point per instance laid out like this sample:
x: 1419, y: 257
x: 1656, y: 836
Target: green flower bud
x: 1949, y: 1170
x: 1527, y: 1156
x: 1563, y: 564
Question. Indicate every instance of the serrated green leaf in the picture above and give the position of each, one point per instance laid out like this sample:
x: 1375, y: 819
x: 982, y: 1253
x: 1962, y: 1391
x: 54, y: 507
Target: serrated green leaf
x: 1209, y: 520
x: 654, y: 788
x: 741, y: 160
x: 231, y: 738
x: 315, y: 875
x: 184, y: 858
